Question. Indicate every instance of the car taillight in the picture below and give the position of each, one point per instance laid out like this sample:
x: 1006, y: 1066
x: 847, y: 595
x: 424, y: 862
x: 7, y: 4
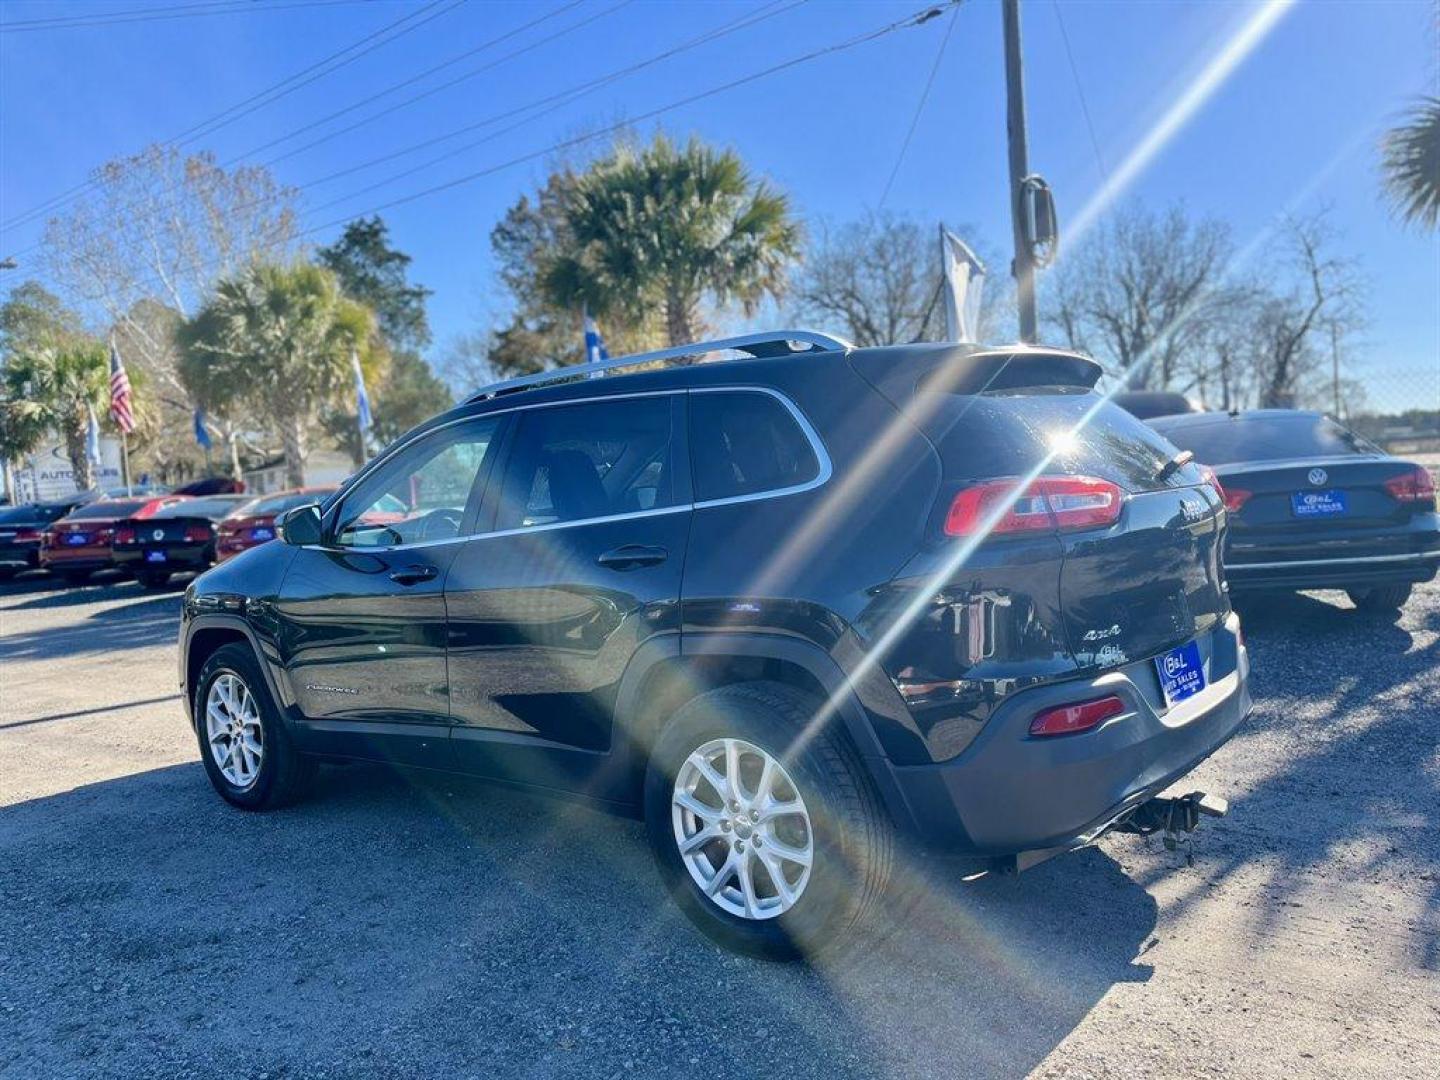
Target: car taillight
x: 1049, y: 502
x: 104, y: 536
x: 1082, y: 716
x: 197, y: 533
x: 1235, y: 498
x: 29, y: 534
x: 124, y: 536
x: 1415, y: 486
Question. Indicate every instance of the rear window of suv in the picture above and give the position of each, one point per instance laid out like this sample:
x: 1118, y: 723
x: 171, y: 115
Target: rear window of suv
x: 1265, y: 438
x: 744, y: 442
x: 1010, y: 433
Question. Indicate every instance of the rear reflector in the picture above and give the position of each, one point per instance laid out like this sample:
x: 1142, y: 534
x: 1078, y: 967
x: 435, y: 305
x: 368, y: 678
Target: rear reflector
x: 1068, y: 719
x: 1049, y: 502
x: 1415, y: 486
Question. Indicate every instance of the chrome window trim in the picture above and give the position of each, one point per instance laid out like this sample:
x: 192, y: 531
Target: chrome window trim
x: 825, y: 468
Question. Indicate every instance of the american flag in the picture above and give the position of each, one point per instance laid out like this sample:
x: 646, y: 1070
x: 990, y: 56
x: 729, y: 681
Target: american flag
x: 120, y: 393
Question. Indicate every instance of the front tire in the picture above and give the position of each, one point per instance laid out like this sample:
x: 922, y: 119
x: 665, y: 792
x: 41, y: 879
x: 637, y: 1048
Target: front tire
x: 244, y: 746
x: 1384, y: 599
x: 773, y: 844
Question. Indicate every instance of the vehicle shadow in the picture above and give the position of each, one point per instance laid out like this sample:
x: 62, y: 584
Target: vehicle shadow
x: 404, y: 925
x: 148, y: 620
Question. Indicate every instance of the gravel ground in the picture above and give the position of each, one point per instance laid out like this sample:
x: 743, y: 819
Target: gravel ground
x: 397, y: 927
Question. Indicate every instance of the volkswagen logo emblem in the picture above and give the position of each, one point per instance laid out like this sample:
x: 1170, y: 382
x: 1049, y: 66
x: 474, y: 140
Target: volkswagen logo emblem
x: 159, y: 534
x: 1318, y: 476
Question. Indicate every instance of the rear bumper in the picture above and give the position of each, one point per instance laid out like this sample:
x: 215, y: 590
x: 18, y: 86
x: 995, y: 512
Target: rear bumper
x: 23, y: 555
x: 178, y: 557
x: 1333, y: 573
x: 60, y: 560
x: 1011, y: 793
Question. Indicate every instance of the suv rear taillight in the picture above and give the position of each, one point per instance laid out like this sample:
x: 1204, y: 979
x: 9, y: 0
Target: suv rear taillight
x: 1235, y: 498
x: 1082, y: 716
x: 1049, y: 502
x: 1414, y: 486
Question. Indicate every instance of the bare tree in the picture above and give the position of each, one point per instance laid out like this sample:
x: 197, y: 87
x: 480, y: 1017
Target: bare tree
x: 1293, y: 327
x: 1138, y: 293
x: 878, y: 280
x: 156, y: 235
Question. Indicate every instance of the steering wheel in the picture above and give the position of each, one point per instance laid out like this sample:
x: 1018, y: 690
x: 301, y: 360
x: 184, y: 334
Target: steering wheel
x: 431, y: 522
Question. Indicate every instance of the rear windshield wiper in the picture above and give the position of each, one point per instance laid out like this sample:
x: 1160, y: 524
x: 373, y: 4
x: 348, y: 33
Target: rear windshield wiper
x: 1174, y: 465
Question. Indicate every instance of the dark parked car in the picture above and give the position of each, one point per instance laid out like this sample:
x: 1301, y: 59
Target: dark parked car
x: 171, y: 540
x: 253, y: 523
x: 1148, y: 404
x: 78, y: 544
x: 794, y: 610
x: 1312, y: 505
x: 22, y: 530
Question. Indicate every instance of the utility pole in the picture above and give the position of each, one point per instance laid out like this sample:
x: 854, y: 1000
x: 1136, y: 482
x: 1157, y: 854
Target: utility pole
x: 1024, y: 265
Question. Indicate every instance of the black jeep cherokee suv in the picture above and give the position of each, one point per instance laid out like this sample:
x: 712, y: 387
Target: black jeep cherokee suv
x: 796, y: 609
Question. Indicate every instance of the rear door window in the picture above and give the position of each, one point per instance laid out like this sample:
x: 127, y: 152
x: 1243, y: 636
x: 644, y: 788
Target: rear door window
x: 1055, y: 429
x: 744, y: 442
x: 594, y: 459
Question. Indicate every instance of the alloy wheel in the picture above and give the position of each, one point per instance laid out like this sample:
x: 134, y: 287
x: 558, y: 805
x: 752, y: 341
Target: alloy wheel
x: 742, y: 829
x: 232, y: 728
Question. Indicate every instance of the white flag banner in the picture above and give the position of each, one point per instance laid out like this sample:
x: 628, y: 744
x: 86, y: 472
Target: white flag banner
x: 964, y: 277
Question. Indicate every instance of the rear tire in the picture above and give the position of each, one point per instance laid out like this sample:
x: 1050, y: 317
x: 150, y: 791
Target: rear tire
x: 263, y: 771
x: 74, y: 578
x: 8, y: 572
x: 840, y: 823
x: 1383, y: 598
x: 150, y: 579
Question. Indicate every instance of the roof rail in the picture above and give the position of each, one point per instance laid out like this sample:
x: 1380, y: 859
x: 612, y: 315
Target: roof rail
x: 771, y: 343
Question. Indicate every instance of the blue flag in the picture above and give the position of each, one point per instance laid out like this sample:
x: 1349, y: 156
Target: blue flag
x: 362, y: 399
x: 594, y: 343
x: 201, y: 435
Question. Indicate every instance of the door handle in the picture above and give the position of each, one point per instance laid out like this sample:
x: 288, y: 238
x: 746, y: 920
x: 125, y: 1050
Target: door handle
x: 632, y: 555
x: 412, y: 575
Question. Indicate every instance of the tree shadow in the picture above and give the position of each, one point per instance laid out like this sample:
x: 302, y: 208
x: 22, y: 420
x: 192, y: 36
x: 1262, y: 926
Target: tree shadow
x: 421, y: 925
x: 1347, y: 706
x: 148, y: 620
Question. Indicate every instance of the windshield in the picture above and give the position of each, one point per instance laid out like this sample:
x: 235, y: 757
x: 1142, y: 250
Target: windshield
x: 214, y: 506
x: 1227, y: 439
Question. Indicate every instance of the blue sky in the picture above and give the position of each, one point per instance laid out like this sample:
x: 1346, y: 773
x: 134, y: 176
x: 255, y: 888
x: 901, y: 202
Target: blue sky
x: 1299, y: 119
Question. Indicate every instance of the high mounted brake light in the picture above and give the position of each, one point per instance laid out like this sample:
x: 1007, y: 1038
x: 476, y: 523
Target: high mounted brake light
x: 1048, y: 502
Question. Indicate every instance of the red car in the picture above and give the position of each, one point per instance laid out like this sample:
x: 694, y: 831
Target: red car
x: 79, y: 544
x: 253, y: 523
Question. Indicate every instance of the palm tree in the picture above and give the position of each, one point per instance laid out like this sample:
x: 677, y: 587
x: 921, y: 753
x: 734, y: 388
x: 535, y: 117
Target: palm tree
x: 276, y: 340
x: 1411, y: 163
x: 666, y: 228
x: 54, y: 388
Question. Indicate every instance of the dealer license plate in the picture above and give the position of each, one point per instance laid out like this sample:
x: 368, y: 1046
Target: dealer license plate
x: 154, y: 556
x: 1319, y: 504
x: 1182, y: 673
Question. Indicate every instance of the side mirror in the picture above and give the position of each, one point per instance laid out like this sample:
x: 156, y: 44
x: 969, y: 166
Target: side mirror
x: 301, y: 525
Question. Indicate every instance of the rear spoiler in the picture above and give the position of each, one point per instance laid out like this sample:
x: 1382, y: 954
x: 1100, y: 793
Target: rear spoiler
x: 901, y: 373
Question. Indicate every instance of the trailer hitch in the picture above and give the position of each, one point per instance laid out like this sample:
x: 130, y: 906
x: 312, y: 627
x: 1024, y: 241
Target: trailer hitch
x: 1173, y: 817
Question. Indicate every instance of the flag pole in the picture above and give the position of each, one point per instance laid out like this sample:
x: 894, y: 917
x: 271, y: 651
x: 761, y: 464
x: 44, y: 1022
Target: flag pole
x: 125, y: 459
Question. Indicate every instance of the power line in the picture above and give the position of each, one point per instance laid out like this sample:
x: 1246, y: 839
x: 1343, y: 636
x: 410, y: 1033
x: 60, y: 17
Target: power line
x: 142, y: 15
x: 554, y: 102
x: 1080, y: 91
x: 922, y: 16
x: 919, y: 108
x: 424, y: 74
x: 273, y: 93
